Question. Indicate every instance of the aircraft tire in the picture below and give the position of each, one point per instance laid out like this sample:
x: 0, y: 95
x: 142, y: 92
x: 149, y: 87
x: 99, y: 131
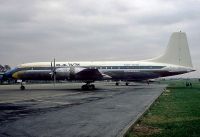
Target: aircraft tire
x: 22, y: 87
x: 84, y: 87
x: 88, y: 87
x: 92, y: 86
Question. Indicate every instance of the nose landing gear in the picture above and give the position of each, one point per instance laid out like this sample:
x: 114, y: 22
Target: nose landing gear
x: 22, y: 87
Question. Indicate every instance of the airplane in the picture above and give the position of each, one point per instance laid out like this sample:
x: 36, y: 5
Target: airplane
x: 175, y: 60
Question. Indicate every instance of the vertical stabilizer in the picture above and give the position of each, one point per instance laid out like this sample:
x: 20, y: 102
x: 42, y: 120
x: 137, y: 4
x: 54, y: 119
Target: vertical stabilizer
x: 177, y: 51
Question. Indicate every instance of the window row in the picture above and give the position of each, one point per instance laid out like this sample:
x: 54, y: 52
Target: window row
x: 127, y: 67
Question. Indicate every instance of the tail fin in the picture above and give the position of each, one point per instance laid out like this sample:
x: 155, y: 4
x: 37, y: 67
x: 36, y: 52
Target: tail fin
x: 177, y: 52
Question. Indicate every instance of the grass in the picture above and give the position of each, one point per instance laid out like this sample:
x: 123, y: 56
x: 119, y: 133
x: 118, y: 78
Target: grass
x: 175, y: 114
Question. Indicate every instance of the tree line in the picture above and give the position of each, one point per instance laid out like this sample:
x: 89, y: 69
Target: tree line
x: 4, y: 68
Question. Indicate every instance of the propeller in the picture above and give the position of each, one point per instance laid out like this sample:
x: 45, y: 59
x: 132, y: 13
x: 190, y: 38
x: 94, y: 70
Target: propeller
x: 53, y: 71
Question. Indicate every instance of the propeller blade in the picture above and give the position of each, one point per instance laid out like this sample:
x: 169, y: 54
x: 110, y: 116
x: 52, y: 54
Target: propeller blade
x: 54, y: 63
x: 54, y: 71
x: 51, y: 73
x: 54, y: 80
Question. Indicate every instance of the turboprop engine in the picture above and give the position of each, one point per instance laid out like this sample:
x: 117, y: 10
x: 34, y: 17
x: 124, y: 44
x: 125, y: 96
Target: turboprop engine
x: 79, y: 73
x: 68, y: 73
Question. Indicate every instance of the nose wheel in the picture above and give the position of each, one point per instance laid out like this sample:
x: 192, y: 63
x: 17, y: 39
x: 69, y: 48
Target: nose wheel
x: 22, y: 87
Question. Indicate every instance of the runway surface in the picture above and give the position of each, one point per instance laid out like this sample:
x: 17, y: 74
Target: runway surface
x: 67, y: 111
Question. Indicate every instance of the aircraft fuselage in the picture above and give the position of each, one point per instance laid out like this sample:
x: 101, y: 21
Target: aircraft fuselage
x: 114, y: 70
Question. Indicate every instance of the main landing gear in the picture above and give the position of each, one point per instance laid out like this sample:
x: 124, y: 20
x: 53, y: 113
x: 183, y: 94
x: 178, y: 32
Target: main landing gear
x: 88, y: 86
x: 127, y: 83
x: 117, y: 83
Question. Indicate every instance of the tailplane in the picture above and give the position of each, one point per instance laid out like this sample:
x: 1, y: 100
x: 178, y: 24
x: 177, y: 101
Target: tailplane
x: 177, y: 51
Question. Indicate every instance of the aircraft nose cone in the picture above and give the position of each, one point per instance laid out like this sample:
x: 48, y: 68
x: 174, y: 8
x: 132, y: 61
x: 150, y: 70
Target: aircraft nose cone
x: 17, y: 75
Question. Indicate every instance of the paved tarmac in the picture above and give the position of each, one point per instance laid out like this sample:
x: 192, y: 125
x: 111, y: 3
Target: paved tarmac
x: 67, y: 111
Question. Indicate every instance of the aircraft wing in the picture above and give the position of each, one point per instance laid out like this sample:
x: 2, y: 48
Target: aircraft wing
x: 91, y: 74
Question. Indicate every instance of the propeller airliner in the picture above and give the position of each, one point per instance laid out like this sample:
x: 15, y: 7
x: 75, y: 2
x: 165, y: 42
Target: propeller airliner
x: 175, y: 60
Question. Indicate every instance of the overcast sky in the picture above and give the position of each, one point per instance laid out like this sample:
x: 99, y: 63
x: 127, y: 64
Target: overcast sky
x: 93, y: 30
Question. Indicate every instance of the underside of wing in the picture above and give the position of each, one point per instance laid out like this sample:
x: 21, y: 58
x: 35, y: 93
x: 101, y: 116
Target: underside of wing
x: 91, y: 74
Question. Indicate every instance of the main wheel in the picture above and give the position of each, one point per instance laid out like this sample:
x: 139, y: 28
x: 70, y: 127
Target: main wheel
x: 22, y: 87
x: 85, y: 87
x: 127, y: 83
x: 92, y: 87
x: 117, y: 83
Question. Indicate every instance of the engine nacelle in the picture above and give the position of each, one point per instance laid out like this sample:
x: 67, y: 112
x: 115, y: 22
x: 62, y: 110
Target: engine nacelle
x: 67, y: 73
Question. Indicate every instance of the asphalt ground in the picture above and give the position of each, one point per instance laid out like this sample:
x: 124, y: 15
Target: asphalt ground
x: 43, y: 110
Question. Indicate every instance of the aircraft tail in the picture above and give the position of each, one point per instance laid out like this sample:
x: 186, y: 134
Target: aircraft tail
x: 177, y: 51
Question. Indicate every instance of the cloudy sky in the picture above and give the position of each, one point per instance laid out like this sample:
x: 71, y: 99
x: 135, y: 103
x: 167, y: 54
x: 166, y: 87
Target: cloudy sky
x: 93, y: 30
